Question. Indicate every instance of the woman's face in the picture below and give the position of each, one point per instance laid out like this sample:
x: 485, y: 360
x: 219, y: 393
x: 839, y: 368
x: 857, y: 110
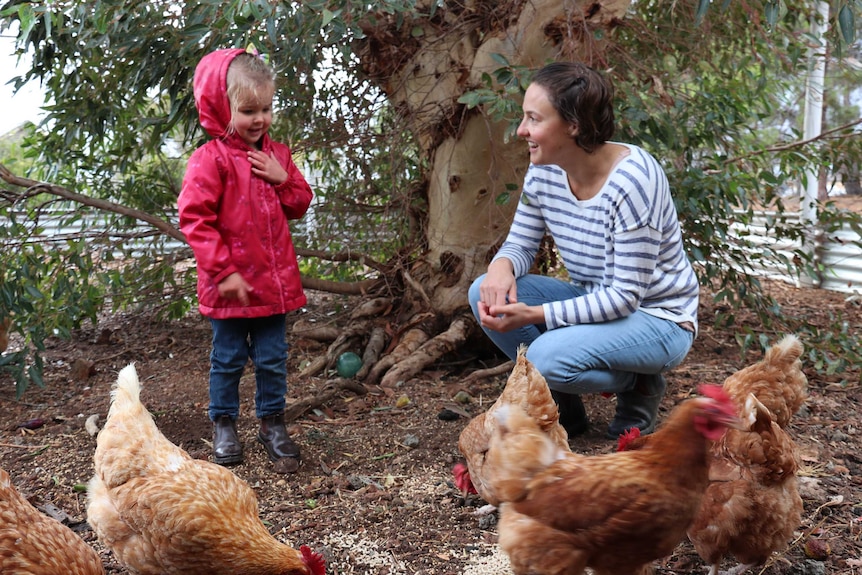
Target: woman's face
x: 548, y: 136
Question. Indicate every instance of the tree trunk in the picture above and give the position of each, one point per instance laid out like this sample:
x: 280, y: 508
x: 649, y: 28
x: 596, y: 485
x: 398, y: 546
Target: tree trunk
x: 424, y: 64
x: 424, y: 73
x: 852, y: 181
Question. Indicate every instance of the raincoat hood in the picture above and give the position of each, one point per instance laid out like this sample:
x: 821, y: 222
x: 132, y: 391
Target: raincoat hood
x: 210, y: 89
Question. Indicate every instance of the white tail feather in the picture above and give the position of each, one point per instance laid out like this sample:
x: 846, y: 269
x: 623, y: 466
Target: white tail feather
x: 126, y: 392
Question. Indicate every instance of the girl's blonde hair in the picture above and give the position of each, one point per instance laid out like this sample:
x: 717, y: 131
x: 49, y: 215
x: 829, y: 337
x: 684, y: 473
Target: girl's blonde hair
x: 249, y: 79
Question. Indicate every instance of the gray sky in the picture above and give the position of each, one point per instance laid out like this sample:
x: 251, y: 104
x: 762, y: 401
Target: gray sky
x: 25, y: 105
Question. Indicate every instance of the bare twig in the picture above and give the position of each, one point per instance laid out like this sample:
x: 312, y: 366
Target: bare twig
x: 505, y: 367
x: 789, y: 145
x: 342, y: 257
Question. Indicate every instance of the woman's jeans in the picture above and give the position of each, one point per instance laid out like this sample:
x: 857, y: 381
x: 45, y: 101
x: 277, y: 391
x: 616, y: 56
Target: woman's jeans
x: 590, y: 357
x: 234, y: 341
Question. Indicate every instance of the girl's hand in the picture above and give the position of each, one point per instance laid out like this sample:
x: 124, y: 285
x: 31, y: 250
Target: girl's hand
x: 267, y: 167
x: 235, y: 287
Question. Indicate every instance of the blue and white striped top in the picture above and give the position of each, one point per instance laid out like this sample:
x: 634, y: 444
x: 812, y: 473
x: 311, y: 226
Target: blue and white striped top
x: 624, y: 245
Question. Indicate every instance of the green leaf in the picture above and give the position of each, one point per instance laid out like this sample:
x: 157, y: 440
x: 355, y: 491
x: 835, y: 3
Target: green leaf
x: 34, y: 292
x: 500, y: 59
x: 774, y: 10
x: 847, y: 24
x: 328, y: 15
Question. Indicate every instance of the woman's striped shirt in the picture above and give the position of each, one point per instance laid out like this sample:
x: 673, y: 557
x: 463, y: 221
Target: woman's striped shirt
x: 624, y: 245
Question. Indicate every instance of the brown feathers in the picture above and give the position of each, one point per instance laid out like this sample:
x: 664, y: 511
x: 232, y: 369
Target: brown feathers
x: 34, y: 544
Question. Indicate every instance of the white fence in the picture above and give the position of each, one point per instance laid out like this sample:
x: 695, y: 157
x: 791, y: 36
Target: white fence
x: 841, y: 257
x: 53, y: 225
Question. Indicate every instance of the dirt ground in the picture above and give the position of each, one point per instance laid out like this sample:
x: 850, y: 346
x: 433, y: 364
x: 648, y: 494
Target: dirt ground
x: 374, y: 492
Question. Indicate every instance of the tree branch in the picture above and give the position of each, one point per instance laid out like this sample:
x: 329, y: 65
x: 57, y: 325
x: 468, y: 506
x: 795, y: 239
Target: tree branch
x: 789, y: 145
x: 346, y: 288
x: 34, y: 186
x: 342, y: 257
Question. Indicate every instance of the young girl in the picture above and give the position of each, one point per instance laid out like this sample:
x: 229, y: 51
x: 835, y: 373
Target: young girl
x: 239, y: 191
x: 629, y: 311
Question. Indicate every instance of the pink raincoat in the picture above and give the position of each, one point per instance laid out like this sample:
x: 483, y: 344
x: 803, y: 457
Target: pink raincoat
x: 234, y: 220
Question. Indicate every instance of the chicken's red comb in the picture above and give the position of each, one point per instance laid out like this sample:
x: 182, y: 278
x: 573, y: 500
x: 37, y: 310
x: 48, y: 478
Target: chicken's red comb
x: 626, y: 437
x: 462, y: 478
x: 714, y: 391
x: 315, y: 561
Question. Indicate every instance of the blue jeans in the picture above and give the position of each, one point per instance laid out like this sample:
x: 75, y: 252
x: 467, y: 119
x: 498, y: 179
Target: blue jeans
x: 590, y: 357
x: 234, y: 341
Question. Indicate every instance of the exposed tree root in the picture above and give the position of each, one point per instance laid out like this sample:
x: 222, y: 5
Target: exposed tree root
x: 351, y: 337
x: 324, y: 333
x: 375, y: 346
x: 431, y: 351
x: 411, y: 341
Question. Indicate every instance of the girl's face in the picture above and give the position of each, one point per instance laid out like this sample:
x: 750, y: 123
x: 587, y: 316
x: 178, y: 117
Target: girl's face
x: 252, y: 118
x: 548, y: 136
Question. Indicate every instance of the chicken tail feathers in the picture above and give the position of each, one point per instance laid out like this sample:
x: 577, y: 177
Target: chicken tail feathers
x: 126, y: 393
x: 785, y: 352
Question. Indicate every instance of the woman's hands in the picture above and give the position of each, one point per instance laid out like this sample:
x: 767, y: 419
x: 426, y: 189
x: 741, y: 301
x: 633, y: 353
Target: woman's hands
x: 499, y: 309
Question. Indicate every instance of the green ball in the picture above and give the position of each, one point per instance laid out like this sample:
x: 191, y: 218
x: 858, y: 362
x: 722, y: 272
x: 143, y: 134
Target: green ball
x: 348, y: 364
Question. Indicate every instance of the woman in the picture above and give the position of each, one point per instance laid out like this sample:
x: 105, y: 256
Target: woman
x: 629, y: 308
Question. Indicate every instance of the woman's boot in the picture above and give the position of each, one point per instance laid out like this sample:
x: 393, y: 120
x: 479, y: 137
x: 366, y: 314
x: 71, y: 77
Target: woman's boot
x: 638, y: 407
x: 573, y: 416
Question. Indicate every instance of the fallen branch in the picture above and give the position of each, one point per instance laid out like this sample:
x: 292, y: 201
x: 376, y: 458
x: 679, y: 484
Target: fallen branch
x: 341, y: 288
x: 332, y: 390
x: 505, y: 367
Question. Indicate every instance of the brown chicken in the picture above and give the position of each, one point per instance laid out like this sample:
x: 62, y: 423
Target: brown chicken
x: 162, y: 512
x: 34, y: 544
x: 527, y: 388
x: 777, y: 380
x: 752, y: 505
x: 615, y: 513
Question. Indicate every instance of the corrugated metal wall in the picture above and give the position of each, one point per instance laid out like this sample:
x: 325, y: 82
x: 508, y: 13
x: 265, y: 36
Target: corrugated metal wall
x: 840, y: 253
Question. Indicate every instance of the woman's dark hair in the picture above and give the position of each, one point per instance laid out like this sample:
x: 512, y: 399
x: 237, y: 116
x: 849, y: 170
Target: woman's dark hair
x: 582, y: 96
